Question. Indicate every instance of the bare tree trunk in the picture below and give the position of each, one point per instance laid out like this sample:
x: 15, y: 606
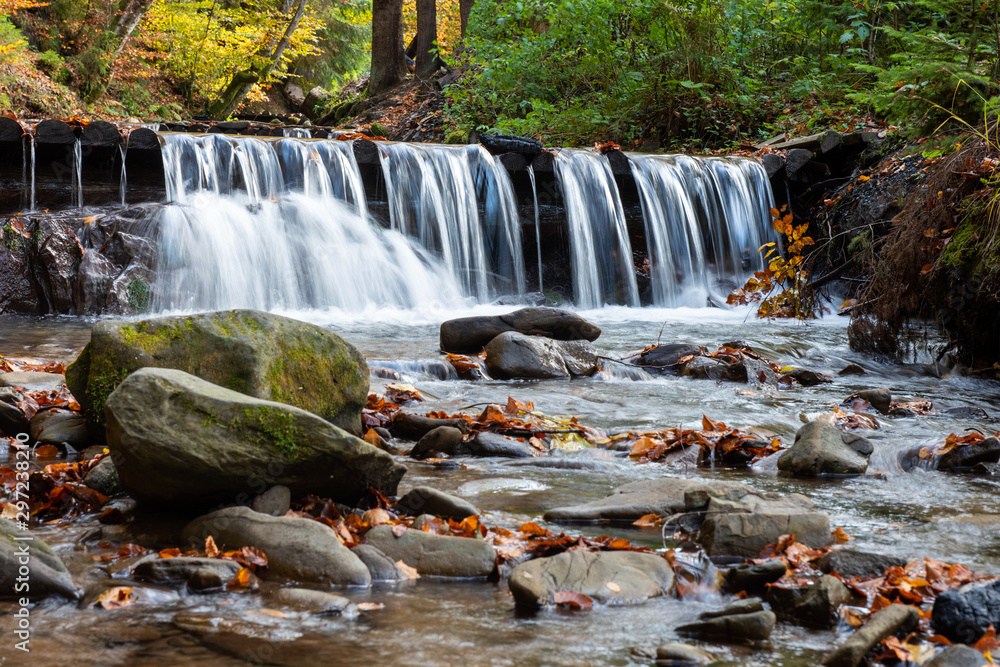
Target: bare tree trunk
x: 128, y: 18
x: 388, y: 63
x: 246, y: 79
x: 464, y: 9
x: 426, y: 33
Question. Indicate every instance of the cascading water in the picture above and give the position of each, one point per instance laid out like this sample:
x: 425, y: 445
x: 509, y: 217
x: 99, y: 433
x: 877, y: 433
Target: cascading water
x: 297, y: 132
x: 434, y: 193
x: 122, y: 179
x: 705, y: 220
x: 31, y: 140
x: 600, y: 252
x: 538, y: 230
x: 279, y: 224
x: 78, y: 173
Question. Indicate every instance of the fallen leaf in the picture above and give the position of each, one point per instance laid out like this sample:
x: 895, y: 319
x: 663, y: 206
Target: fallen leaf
x: 573, y: 600
x: 115, y: 598
x: 612, y: 586
x: 647, y: 521
x: 369, y: 606
x: 409, y: 572
x: 211, y: 550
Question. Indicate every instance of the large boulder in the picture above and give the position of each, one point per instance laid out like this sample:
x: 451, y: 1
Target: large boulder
x: 607, y: 577
x: 32, y: 380
x: 254, y: 353
x: 813, y: 606
x: 964, y: 614
x: 821, y: 448
x: 742, y: 526
x: 470, y: 334
x: 29, y: 568
x: 299, y: 549
x: 963, y: 457
x: 427, y: 500
x: 854, y: 563
x: 515, y: 355
x: 666, y: 357
x: 178, y: 440
x: 434, y: 555
x: 57, y: 427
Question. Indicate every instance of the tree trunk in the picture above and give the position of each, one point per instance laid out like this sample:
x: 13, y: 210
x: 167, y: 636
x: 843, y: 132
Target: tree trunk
x: 464, y: 9
x: 426, y: 33
x: 388, y: 63
x: 246, y: 79
x: 128, y: 18
x: 109, y: 47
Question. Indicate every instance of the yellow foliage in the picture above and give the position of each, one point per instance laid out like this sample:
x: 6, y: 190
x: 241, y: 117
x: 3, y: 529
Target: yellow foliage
x: 449, y: 24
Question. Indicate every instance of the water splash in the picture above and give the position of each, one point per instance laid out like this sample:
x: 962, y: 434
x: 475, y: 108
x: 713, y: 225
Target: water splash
x: 600, y: 251
x: 434, y: 196
x: 538, y: 231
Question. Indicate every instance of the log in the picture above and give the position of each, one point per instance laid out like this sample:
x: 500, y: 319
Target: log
x: 10, y: 130
x: 508, y: 143
x: 54, y: 132
x: 101, y: 133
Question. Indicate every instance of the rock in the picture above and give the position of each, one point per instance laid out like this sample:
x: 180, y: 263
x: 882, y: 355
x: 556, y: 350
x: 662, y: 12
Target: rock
x: 753, y: 577
x: 852, y: 369
x: 171, y: 570
x: 773, y: 163
x: 744, y: 526
x: 823, y: 449
x: 317, y: 602
x: 732, y: 629
x: 967, y: 456
x: 989, y: 469
x: 967, y: 412
x: 103, y: 477
x: 666, y: 357
x: 316, y: 102
x: 435, y: 555
x: 421, y: 499
x: 441, y: 440
x: 812, y: 606
x: 665, y: 497
x: 12, y: 420
x: 682, y: 655
x: 381, y: 567
x: 634, y: 576
x: 118, y: 511
x: 515, y: 355
x: 416, y: 427
x: 60, y: 427
x: 958, y: 655
x: 759, y: 374
x: 854, y: 563
x: 470, y: 334
x: 275, y: 501
x: 32, y: 381
x: 493, y: 444
x: 32, y: 562
x: 712, y: 368
x: 963, y: 614
x: 302, y: 550
x: 204, y: 580
x: 262, y: 355
x: 579, y: 356
x: 888, y: 621
x: 880, y: 399
x: 806, y: 377
x: 744, y: 606
x: 178, y: 440
x: 796, y: 159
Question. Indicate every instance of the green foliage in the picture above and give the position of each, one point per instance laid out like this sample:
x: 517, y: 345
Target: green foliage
x: 342, y: 46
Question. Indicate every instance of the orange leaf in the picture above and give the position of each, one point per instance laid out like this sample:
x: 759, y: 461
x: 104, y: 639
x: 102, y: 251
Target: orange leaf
x: 115, y: 598
x: 573, y: 600
x: 211, y: 550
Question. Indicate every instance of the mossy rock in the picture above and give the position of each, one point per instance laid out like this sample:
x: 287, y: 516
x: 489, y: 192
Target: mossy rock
x: 255, y: 353
x: 178, y: 441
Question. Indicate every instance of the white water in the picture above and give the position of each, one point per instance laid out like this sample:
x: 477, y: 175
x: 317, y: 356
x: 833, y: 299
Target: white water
x: 78, y: 173
x: 538, y: 231
x: 123, y: 178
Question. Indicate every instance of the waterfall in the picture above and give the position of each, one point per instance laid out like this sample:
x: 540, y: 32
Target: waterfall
x: 538, y: 230
x: 122, y: 179
x: 34, y: 169
x: 78, y: 173
x: 25, y: 201
x: 600, y: 251
x: 297, y: 132
x: 434, y: 196
x: 280, y: 224
x: 705, y: 219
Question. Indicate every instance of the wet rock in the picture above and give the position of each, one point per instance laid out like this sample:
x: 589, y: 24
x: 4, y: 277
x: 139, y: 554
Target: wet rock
x: 666, y: 357
x: 966, y: 412
x: 958, y: 656
x: 888, y: 621
x: 744, y: 606
x: 493, y: 444
x: 17, y: 294
x: 565, y: 463
x: 989, y: 469
x: 60, y: 427
x: 258, y: 354
x: 813, y: 606
x: 682, y: 655
x: 607, y: 577
x: 663, y: 496
x: 32, y: 381
x: 759, y: 374
x: 964, y: 457
x: 57, y: 255
x: 275, y: 501
x: 732, y: 629
x: 421, y: 499
x: 172, y: 570
x: 441, y: 440
x: 470, y: 334
x: 178, y: 440
x: 416, y: 427
x: 515, y: 355
x: 711, y: 368
x: 753, y: 577
x: 854, y: 563
x: 435, y: 555
x: 880, y: 399
x: 745, y: 525
x: 204, y: 580
x: 299, y: 549
x: 317, y: 602
x: 382, y: 567
x: 12, y: 420
x: 852, y: 369
x: 103, y: 478
x: 118, y: 511
x: 821, y: 448
x: 34, y: 563
x: 806, y: 377
x: 964, y: 614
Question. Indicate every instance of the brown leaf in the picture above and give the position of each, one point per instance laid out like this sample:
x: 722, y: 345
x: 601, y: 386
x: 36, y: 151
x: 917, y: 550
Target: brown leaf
x: 211, y: 550
x: 407, y: 571
x: 369, y: 606
x: 573, y: 600
x: 115, y: 598
x: 647, y: 521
